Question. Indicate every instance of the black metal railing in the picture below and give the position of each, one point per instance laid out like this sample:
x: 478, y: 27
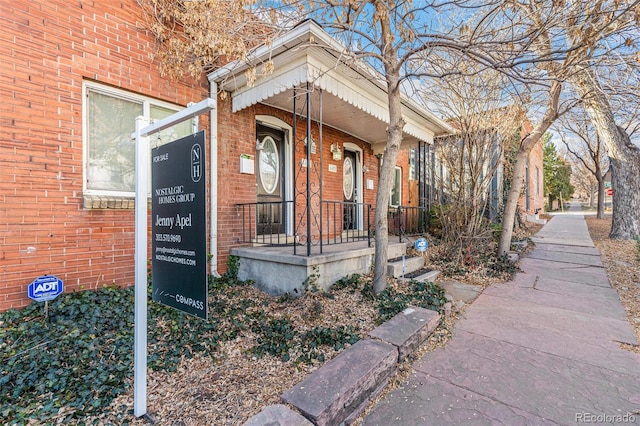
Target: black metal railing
x: 408, y: 221
x: 265, y: 223
x: 342, y: 222
x: 345, y: 222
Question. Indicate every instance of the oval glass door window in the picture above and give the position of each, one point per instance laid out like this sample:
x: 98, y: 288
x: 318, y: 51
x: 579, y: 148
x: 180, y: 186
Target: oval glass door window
x: 348, y: 178
x: 269, y: 165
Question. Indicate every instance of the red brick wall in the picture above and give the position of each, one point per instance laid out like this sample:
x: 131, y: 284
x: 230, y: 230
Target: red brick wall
x: 403, y: 163
x: 47, y: 50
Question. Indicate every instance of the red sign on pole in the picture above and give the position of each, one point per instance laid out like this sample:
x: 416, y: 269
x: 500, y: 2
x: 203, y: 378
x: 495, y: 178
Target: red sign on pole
x: 610, y: 192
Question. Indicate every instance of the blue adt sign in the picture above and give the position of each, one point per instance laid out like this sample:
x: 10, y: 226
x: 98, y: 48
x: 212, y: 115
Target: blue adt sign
x: 45, y: 288
x: 422, y: 244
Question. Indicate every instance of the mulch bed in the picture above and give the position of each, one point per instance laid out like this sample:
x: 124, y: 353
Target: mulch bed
x: 236, y: 386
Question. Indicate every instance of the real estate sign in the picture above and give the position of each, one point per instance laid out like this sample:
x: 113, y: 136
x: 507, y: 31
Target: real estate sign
x: 178, y: 225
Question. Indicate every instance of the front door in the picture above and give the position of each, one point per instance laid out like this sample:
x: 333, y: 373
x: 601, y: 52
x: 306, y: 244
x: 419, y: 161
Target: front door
x: 270, y: 180
x: 349, y: 189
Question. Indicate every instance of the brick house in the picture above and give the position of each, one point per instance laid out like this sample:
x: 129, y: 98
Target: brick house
x: 532, y: 200
x: 314, y: 131
x: 74, y: 77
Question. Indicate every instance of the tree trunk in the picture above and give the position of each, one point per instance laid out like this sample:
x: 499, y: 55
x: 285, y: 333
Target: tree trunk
x: 625, y: 182
x: 391, y: 151
x: 600, y: 214
x: 624, y: 156
x: 511, y: 206
x: 527, y: 144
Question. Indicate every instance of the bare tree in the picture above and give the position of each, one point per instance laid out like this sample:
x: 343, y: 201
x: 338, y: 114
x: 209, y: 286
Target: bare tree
x: 572, y: 37
x: 582, y: 179
x: 624, y: 156
x: 394, y: 37
x: 473, y: 155
x: 200, y: 36
x: 536, y: 43
x: 586, y: 149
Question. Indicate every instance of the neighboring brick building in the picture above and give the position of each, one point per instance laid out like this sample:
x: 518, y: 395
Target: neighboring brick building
x: 532, y: 200
x: 74, y: 75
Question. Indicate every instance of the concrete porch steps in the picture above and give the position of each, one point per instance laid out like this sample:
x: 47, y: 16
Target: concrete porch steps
x: 411, y: 264
x: 427, y: 276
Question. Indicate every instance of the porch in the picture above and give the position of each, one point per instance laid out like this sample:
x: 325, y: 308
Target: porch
x: 277, y: 271
x: 310, y: 137
x: 285, y: 264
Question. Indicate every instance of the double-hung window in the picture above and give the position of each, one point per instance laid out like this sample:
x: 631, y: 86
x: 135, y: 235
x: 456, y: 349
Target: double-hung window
x: 109, y: 151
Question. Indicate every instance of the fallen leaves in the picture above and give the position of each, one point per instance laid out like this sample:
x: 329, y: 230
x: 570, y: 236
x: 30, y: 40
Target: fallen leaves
x: 621, y: 261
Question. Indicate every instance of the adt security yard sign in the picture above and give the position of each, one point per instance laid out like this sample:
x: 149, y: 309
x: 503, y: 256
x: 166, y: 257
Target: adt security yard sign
x: 422, y: 244
x: 45, y: 288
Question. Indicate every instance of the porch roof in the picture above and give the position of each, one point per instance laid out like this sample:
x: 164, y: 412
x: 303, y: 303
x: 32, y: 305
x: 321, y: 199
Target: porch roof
x: 354, y: 95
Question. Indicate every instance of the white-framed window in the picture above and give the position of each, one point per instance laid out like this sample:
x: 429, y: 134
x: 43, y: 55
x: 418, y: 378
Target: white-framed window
x: 396, y: 189
x: 109, y: 116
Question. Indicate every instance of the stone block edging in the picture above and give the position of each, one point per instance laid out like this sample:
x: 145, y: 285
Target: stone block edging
x: 340, y: 390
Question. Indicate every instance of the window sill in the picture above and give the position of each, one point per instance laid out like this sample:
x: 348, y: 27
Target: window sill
x: 108, y: 202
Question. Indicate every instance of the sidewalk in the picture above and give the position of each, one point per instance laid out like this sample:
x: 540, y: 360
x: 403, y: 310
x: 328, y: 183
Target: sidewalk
x: 541, y: 349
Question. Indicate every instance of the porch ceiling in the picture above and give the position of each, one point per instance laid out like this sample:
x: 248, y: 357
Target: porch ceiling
x: 354, y: 98
x: 339, y: 114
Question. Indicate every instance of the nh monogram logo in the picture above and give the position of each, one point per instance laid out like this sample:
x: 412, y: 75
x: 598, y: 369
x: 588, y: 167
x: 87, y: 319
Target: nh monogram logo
x: 196, y: 163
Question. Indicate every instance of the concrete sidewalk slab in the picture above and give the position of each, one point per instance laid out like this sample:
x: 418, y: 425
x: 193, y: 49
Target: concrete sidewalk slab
x: 544, y: 385
x: 565, y: 248
x: 562, y: 241
x: 425, y: 400
x: 533, y: 280
x: 571, y: 272
x: 491, y: 311
x: 581, y: 337
x: 566, y: 257
x: 461, y: 291
x: 576, y: 297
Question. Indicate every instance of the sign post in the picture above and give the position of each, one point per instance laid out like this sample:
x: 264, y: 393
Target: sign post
x: 141, y: 254
x: 45, y: 288
x: 140, y: 304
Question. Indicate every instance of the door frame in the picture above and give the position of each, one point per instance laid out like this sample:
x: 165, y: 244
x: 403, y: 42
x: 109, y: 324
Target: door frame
x: 350, y: 146
x: 278, y: 124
